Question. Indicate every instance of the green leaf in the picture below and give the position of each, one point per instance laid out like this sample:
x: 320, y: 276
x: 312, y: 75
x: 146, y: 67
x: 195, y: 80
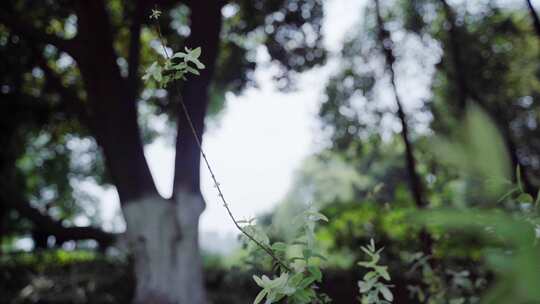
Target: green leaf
x: 279, y: 246
x: 179, y: 55
x: 518, y: 177
x: 383, y: 272
x: 153, y: 71
x: 479, y: 151
x: 525, y: 198
x: 306, y: 282
x: 260, y: 296
x: 315, y: 271
x: 320, y: 256
x: 192, y: 71
x: 195, y: 53
x: 386, y: 293
x: 199, y: 64
x: 258, y: 281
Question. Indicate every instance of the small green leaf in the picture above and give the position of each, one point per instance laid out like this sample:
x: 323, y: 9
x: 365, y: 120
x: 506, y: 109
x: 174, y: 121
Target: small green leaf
x: 258, y: 281
x: 383, y: 272
x: 195, y: 53
x: 179, y: 55
x: 315, y: 271
x: 155, y: 14
x: 260, y: 296
x: 192, y: 71
x: 279, y: 246
x: 518, y: 177
x: 386, y: 293
x: 525, y: 198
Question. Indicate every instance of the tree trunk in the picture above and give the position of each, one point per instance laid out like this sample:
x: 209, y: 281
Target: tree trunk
x: 534, y: 16
x: 164, y: 239
x: 162, y: 233
x: 415, y: 181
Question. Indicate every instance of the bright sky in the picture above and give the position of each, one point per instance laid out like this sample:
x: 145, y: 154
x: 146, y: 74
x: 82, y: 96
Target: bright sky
x: 264, y: 135
x: 258, y: 142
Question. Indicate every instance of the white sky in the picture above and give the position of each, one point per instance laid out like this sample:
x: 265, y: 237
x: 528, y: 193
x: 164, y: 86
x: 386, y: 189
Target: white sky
x: 260, y: 139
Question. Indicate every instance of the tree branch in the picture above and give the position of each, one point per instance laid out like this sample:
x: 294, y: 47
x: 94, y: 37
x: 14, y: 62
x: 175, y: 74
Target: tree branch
x: 55, y: 228
x: 111, y: 104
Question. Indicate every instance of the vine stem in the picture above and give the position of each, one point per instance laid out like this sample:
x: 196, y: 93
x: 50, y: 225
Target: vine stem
x: 207, y: 163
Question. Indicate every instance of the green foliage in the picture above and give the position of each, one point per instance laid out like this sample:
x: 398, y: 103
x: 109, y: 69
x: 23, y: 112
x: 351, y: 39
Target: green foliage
x: 478, y: 150
x: 372, y: 287
x: 175, y: 67
x: 298, y: 277
x: 510, y: 250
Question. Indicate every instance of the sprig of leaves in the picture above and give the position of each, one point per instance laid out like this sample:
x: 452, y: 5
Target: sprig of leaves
x: 297, y: 282
x: 175, y: 67
x: 372, y: 287
x: 155, y: 14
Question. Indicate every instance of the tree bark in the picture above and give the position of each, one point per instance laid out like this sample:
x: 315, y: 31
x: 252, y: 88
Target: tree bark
x: 164, y: 239
x: 205, y: 33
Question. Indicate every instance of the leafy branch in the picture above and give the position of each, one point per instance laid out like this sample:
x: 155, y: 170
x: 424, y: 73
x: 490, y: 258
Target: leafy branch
x: 176, y: 67
x: 372, y: 286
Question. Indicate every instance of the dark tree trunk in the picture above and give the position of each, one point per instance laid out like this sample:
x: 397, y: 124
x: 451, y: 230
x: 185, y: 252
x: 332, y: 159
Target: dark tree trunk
x: 163, y: 233
x: 415, y: 182
x: 386, y: 44
x: 206, y: 28
x: 414, y: 178
x: 534, y: 16
x: 112, y: 108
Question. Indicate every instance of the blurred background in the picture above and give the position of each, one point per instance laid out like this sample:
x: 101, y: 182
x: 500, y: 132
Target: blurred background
x: 364, y: 109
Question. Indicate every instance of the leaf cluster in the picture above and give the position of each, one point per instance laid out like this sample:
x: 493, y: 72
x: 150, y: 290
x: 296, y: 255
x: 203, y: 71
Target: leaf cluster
x: 176, y: 67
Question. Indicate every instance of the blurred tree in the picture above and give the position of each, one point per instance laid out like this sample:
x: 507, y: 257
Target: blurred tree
x: 370, y: 53
x: 71, y: 84
x: 534, y: 17
x: 481, y: 65
x: 467, y: 90
x: 485, y: 57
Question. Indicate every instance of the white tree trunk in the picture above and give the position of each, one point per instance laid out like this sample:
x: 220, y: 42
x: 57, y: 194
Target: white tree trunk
x: 164, y: 238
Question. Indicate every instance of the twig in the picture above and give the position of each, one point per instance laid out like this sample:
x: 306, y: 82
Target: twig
x: 207, y: 163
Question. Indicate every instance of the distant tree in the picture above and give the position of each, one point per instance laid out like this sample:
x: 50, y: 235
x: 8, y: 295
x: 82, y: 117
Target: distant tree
x: 73, y: 105
x: 484, y: 63
x: 370, y: 64
x: 486, y: 58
